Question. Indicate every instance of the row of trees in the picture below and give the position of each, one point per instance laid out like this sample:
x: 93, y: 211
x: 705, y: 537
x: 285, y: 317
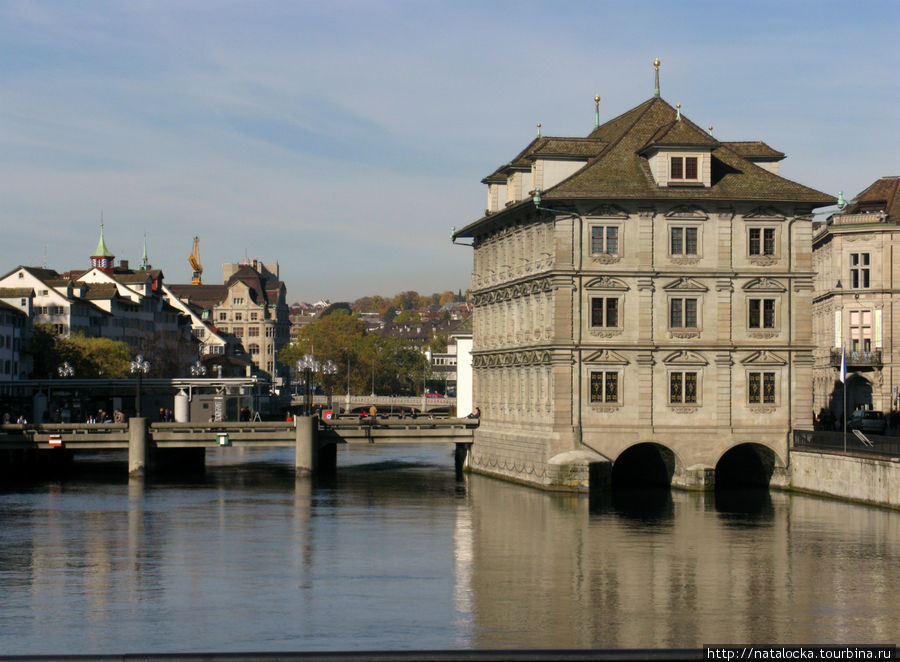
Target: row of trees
x: 366, y: 362
x: 404, y: 301
x: 169, y: 354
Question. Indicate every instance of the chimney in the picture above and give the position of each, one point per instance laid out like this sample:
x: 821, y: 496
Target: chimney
x: 123, y: 264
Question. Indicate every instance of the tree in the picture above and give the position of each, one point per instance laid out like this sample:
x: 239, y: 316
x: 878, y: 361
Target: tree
x: 407, y: 316
x: 90, y: 357
x: 446, y: 297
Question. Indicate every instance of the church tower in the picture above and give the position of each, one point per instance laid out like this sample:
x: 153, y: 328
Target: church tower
x: 102, y: 258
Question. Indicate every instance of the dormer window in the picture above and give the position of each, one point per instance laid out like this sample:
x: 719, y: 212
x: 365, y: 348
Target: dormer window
x: 683, y: 168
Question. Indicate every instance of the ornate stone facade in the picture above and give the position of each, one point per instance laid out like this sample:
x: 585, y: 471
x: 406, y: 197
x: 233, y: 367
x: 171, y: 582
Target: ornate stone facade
x: 612, y: 309
x: 856, y: 256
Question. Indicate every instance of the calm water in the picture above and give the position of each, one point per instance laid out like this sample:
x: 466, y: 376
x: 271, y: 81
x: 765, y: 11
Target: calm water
x: 395, y: 554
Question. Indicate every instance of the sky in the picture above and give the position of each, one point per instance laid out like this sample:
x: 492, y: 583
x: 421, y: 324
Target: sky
x: 343, y: 139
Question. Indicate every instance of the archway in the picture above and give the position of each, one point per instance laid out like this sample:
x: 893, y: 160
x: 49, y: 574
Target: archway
x: 745, y: 465
x: 643, y: 465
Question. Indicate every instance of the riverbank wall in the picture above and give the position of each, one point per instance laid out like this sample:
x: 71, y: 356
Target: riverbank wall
x: 849, y: 476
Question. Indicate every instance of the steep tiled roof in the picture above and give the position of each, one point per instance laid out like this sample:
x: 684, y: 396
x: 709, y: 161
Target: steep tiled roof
x: 204, y: 296
x: 620, y: 173
x: 754, y: 150
x: 568, y: 147
x: 38, y: 272
x: 97, y: 291
x: 11, y: 292
x: 882, y: 195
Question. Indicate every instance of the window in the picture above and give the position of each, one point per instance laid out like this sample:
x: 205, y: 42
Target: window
x: 604, y: 311
x: 683, y: 313
x: 223, y: 329
x: 254, y: 349
x: 859, y: 270
x: 604, y: 386
x: 56, y: 310
x: 683, y: 388
x: 761, y: 388
x: 238, y: 317
x: 254, y: 316
x: 223, y: 317
x: 861, y: 330
x: 604, y: 239
x: 683, y: 241
x: 253, y: 331
x: 761, y: 314
x: 762, y: 241
x: 198, y: 332
x: 237, y: 301
x: 683, y: 167
x: 239, y: 331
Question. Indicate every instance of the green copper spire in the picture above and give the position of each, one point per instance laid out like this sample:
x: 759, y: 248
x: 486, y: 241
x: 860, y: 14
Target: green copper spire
x: 841, y: 203
x: 102, y: 250
x: 539, y: 130
x: 145, y: 263
x: 596, y: 111
x: 656, y: 66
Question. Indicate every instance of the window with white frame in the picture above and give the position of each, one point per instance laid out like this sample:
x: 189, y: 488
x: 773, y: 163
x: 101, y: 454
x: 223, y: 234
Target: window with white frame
x: 605, y: 312
x: 604, y: 386
x: 683, y: 168
x: 683, y: 240
x: 761, y: 388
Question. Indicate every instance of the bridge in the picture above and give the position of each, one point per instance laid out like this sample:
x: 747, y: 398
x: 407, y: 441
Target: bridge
x: 384, y: 403
x: 182, y: 445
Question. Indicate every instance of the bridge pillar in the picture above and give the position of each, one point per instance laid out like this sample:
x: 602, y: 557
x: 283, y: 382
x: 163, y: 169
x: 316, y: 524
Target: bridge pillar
x: 137, y: 446
x: 696, y: 477
x: 305, y: 452
x: 462, y: 452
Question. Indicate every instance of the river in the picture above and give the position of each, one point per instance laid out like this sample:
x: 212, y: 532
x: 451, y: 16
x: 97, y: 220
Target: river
x: 394, y: 554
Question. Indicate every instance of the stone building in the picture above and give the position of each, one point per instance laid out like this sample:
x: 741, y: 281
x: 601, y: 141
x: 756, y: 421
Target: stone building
x: 249, y: 311
x: 642, y: 304
x: 856, y: 255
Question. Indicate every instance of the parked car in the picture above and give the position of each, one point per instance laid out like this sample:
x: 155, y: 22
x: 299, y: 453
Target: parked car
x: 867, y: 421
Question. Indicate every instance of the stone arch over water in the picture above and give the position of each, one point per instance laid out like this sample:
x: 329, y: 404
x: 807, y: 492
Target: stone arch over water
x: 747, y: 465
x: 644, y: 465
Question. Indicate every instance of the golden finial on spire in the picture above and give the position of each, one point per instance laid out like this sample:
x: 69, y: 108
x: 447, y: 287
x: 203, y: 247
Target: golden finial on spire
x: 596, y: 110
x: 710, y: 129
x: 678, y: 111
x: 539, y: 129
x: 656, y: 67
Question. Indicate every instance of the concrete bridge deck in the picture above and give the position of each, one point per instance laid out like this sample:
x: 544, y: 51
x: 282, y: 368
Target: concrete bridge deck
x: 314, y: 440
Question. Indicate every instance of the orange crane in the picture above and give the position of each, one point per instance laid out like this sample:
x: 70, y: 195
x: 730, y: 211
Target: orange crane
x: 194, y: 259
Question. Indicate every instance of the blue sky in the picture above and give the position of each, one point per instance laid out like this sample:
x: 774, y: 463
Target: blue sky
x: 344, y: 139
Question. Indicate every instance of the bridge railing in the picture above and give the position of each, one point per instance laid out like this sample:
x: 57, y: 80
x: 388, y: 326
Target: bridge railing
x: 824, y: 440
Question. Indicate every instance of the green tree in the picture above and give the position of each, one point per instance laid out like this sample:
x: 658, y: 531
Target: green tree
x: 97, y: 357
x: 407, y: 316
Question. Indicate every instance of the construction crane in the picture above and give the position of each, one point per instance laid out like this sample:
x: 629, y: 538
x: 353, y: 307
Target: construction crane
x: 194, y: 259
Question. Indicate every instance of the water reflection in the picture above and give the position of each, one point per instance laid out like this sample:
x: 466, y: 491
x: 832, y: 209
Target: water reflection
x: 394, y: 553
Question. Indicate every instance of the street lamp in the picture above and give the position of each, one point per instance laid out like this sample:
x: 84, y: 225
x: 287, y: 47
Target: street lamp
x: 308, y: 365
x: 329, y: 369
x: 139, y: 366
x: 65, y: 370
x: 198, y: 369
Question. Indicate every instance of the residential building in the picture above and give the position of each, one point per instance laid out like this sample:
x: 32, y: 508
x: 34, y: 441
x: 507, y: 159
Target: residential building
x: 642, y: 299
x: 248, y: 312
x: 14, y: 333
x: 856, y: 307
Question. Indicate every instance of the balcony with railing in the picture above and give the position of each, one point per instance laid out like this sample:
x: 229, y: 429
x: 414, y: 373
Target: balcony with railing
x: 857, y: 358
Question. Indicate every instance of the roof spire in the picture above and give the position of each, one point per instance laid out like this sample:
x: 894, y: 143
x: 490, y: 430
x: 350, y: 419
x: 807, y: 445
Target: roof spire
x: 656, y: 66
x: 710, y: 129
x: 539, y: 129
x: 145, y: 263
x: 596, y: 111
x: 102, y: 250
x: 678, y: 112
x: 841, y: 203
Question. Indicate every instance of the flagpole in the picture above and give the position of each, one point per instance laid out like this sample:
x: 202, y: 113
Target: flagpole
x: 844, y: 382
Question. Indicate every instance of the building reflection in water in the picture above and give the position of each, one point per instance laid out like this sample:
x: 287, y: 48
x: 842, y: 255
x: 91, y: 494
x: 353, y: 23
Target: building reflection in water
x: 676, y: 569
